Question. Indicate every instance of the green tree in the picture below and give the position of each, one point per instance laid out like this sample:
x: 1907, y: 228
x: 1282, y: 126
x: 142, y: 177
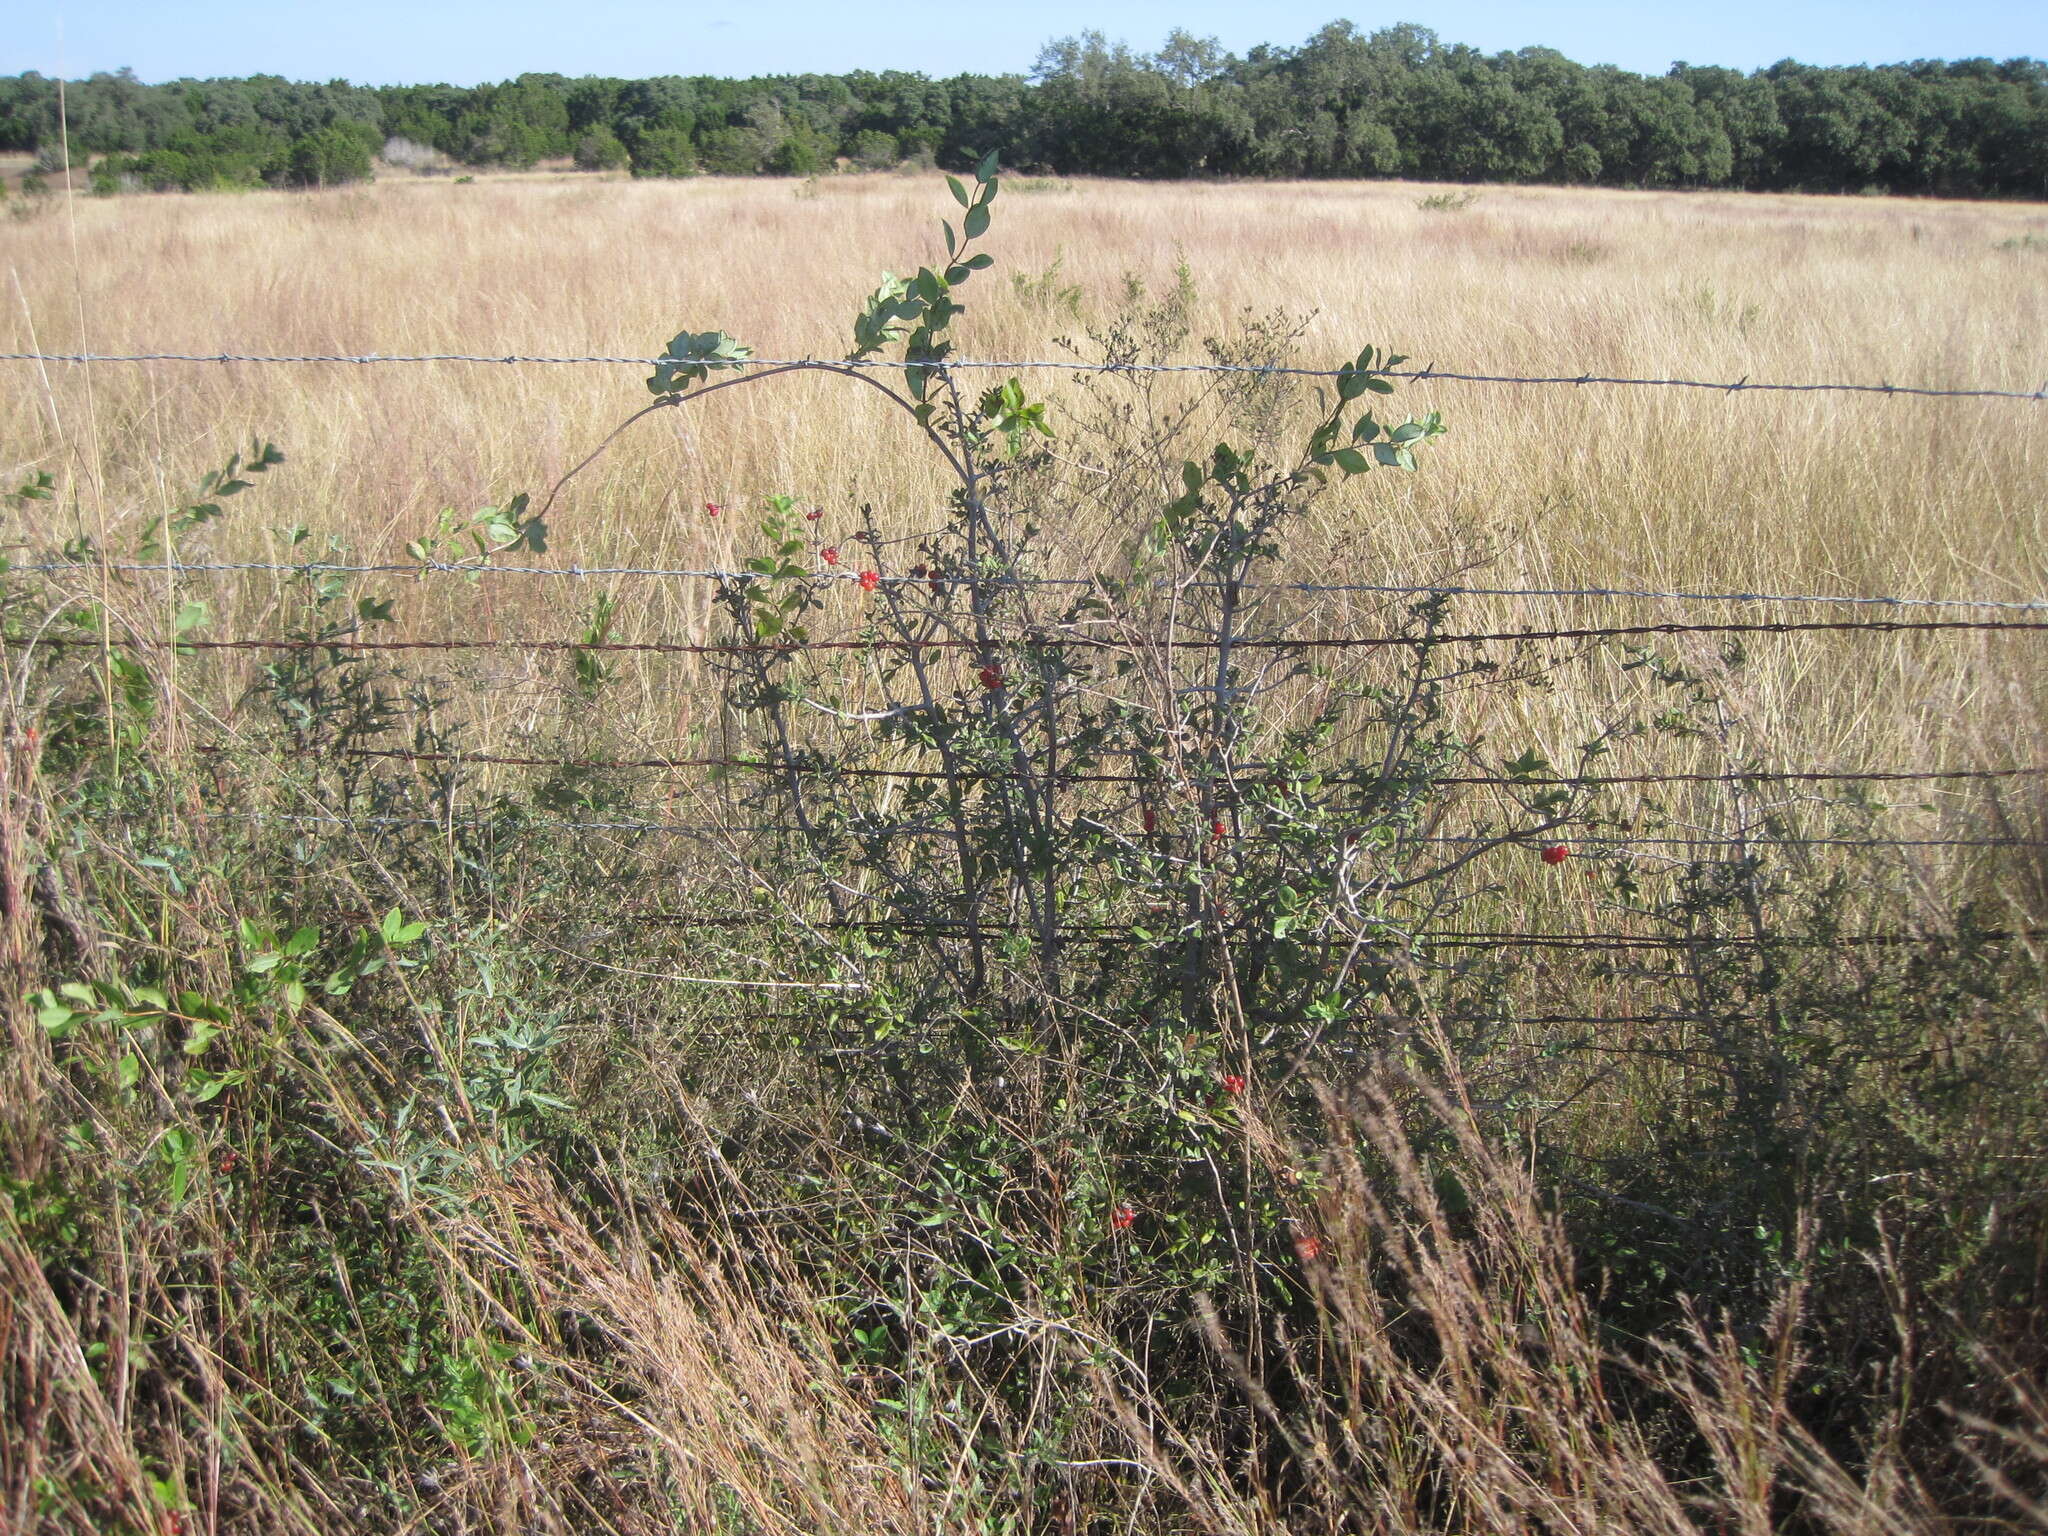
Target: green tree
x: 874, y: 150
x: 330, y: 158
x: 664, y: 150
x: 600, y: 149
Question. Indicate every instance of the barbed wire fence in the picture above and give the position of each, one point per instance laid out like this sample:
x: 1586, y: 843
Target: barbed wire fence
x: 1690, y: 844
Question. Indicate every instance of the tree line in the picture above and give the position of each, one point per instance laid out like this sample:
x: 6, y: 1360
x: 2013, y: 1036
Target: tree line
x: 1345, y: 103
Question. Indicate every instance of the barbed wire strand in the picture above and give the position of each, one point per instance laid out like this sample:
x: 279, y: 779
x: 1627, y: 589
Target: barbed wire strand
x: 1248, y: 775
x: 1380, y: 589
x: 353, y: 642
x: 1469, y: 939
x: 1429, y: 374
x: 1504, y: 1016
x: 685, y: 829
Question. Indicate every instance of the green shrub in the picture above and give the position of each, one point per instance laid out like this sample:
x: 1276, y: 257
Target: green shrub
x: 333, y: 157
x: 664, y: 152
x: 873, y: 150
x: 600, y: 150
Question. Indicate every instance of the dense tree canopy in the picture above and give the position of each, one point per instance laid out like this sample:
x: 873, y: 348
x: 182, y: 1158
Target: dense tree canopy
x: 1396, y: 102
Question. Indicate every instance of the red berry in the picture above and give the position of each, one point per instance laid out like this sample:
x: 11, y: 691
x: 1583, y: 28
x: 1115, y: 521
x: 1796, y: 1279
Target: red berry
x: 1308, y: 1246
x: 1217, y: 830
x: 869, y: 580
x: 1233, y: 1083
x: 1122, y: 1217
x: 991, y: 678
x: 713, y: 508
x: 1556, y: 853
x: 1150, y: 818
x: 829, y: 554
x: 813, y: 515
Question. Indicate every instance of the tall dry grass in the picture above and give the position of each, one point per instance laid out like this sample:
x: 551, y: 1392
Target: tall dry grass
x: 1535, y: 486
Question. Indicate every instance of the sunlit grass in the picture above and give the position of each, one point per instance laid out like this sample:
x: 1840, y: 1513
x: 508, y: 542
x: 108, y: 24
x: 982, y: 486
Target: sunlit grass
x: 1545, y: 487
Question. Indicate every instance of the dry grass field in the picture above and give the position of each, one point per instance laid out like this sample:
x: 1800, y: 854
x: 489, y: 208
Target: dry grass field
x: 540, y: 1215
x: 1545, y: 487
x: 1761, y: 492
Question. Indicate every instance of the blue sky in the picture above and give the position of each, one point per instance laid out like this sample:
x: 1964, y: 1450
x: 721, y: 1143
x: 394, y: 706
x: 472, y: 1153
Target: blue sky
x: 464, y: 41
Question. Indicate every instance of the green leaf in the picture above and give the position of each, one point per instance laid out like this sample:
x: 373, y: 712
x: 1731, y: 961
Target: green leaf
x: 1192, y: 477
x: 213, y: 1084
x: 952, y: 245
x: 980, y: 261
x: 1379, y: 386
x: 394, y: 929
x: 690, y: 358
x: 959, y: 192
x: 1351, y: 461
x: 975, y: 224
x: 1351, y: 384
x: 987, y: 168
